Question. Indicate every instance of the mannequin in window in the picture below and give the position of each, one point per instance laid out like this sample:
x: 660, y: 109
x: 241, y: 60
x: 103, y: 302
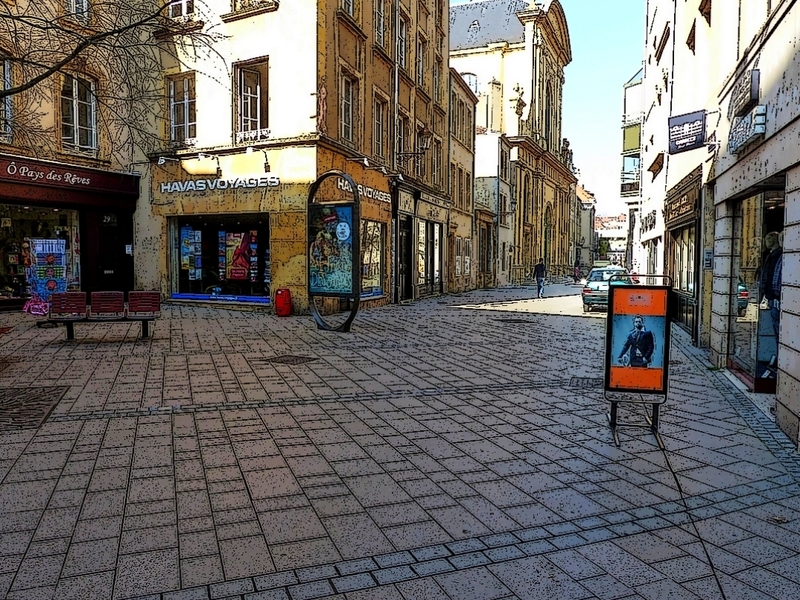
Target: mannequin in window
x: 770, y: 280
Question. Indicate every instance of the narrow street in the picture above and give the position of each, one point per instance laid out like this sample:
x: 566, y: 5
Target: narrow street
x: 452, y: 448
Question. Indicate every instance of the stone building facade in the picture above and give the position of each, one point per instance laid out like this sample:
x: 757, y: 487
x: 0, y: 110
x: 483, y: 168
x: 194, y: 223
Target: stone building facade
x: 252, y: 126
x: 513, y: 53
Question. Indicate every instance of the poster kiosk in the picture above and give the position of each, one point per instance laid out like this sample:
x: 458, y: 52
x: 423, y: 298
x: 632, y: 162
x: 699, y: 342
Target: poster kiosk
x: 637, y: 349
x: 333, y: 250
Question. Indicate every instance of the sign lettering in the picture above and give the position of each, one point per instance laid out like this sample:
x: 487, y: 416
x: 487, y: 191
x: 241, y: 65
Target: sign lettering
x: 687, y: 132
x: 747, y: 129
x: 366, y: 192
x: 202, y: 185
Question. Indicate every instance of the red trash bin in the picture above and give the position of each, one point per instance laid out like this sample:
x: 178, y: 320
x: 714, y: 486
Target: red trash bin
x: 283, y: 303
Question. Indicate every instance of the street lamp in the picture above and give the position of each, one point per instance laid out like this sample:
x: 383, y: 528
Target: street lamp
x: 424, y: 139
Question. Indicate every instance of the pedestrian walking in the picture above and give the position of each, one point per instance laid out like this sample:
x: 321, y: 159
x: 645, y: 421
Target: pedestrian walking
x: 576, y: 272
x: 539, y: 273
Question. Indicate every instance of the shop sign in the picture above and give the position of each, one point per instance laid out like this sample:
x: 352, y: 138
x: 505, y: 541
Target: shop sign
x: 708, y: 258
x: 681, y: 206
x: 366, y: 192
x: 687, y: 132
x: 430, y: 212
x: 747, y: 129
x: 744, y: 94
x: 235, y: 183
x: 40, y: 173
x: 406, y: 203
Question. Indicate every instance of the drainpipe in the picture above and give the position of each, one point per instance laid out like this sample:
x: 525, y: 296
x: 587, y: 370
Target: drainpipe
x: 394, y: 296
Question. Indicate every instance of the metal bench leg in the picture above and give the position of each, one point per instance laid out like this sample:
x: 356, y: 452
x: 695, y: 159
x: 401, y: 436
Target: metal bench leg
x: 70, y: 330
x: 145, y: 329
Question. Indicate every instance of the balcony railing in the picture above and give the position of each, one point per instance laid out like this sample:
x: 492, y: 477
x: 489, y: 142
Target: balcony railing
x: 630, y: 185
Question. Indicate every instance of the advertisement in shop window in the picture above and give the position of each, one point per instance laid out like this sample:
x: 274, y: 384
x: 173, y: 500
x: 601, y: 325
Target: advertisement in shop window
x: 331, y: 250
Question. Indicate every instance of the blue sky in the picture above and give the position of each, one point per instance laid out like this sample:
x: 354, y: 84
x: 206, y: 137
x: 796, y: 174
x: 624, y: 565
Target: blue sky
x: 607, y: 39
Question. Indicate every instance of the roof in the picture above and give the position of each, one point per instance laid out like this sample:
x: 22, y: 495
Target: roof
x: 478, y: 24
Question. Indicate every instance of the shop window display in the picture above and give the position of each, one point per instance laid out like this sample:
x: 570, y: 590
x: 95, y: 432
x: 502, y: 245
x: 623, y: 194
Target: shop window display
x: 39, y: 252
x: 221, y: 258
x: 372, y: 252
x: 757, y: 262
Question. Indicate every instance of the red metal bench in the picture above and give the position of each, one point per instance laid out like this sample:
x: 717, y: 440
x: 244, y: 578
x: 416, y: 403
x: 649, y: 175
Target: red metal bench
x: 70, y: 308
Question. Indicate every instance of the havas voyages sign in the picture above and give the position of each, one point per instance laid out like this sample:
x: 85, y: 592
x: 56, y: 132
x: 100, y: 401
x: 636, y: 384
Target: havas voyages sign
x: 231, y: 183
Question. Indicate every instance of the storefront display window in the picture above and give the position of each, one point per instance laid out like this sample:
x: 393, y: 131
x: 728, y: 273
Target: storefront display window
x: 221, y: 258
x: 757, y: 245
x: 683, y: 259
x: 372, y: 269
x: 39, y: 252
x: 429, y: 258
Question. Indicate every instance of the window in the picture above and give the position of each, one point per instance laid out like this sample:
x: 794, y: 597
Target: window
x: 372, y: 245
x: 78, y: 114
x: 379, y: 130
x: 437, y: 82
x: 690, y: 40
x: 5, y: 103
x: 182, y: 117
x: 347, y: 108
x: 662, y: 44
x: 468, y: 190
x: 503, y: 210
x: 181, y: 8
x: 348, y: 6
x: 705, y: 10
x: 251, y: 103
x: 79, y: 9
x: 380, y: 23
x: 504, y: 164
x: 422, y: 49
x: 472, y: 81
x: 436, y: 167
x: 402, y: 43
x: 421, y: 164
x: 458, y: 252
x: 454, y: 185
x: 403, y: 134
x: 467, y: 255
x: 461, y: 190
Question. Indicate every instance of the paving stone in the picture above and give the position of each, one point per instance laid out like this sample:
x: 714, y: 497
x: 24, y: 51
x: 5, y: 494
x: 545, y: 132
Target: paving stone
x: 230, y: 588
x: 356, y: 566
x: 198, y: 593
x: 315, y: 573
x: 504, y: 539
x: 504, y: 553
x: 393, y: 575
x: 476, y: 584
x: 432, y: 567
x: 352, y: 583
x: 282, y: 579
x: 466, y: 546
x: 473, y: 559
x: 395, y: 559
x: 430, y: 552
x: 307, y: 591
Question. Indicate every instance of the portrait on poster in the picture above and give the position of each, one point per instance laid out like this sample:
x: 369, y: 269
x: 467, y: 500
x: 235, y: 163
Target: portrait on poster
x: 330, y: 249
x: 637, y: 341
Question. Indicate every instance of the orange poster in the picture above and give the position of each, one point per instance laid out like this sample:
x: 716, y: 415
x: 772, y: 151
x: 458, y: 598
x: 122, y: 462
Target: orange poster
x: 637, y: 341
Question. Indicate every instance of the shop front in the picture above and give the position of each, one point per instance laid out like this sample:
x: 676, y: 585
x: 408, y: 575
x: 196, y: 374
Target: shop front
x: 63, y: 228
x: 233, y: 225
x: 431, y: 241
x: 682, y: 224
x: 755, y: 292
x: 237, y: 232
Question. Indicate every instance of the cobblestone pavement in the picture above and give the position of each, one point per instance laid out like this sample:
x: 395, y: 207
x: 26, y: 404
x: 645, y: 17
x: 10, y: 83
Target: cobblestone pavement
x: 454, y: 448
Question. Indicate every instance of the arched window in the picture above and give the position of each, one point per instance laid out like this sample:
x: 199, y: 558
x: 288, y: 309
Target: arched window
x: 472, y: 81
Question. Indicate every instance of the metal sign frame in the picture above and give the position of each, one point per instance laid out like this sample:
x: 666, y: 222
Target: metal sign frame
x: 637, y: 348
x: 354, y: 293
